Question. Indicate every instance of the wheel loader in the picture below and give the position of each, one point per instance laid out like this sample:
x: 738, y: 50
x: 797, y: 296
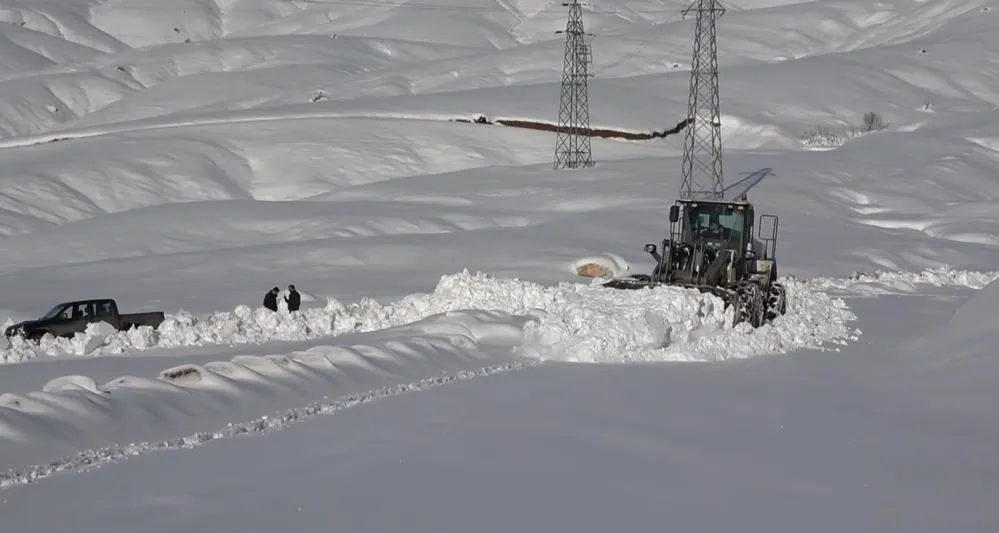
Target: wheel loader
x: 711, y: 247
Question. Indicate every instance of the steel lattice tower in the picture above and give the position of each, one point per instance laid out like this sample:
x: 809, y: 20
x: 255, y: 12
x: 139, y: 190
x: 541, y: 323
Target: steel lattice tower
x: 572, y: 141
x: 702, y: 150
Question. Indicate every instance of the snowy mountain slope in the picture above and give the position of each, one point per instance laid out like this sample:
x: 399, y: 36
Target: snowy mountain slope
x: 177, y: 153
x: 843, y: 221
x: 190, y: 177
x: 418, y: 65
x: 228, y: 119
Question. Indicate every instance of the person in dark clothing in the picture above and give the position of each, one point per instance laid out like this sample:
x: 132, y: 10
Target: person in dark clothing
x: 294, y: 300
x: 270, y: 301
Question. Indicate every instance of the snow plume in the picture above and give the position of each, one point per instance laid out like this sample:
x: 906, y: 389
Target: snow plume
x: 569, y: 321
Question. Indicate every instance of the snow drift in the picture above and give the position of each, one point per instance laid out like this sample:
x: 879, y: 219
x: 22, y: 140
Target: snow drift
x: 73, y: 413
x: 957, y: 359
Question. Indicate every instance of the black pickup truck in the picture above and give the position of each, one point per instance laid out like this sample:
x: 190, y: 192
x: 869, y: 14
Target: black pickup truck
x: 69, y: 318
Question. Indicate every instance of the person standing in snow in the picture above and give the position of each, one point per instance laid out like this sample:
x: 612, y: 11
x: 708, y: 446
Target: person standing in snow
x: 294, y: 300
x: 270, y: 300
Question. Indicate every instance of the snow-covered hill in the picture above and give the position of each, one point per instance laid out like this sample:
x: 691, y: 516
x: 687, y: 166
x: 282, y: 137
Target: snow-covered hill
x: 187, y: 156
x: 264, y: 106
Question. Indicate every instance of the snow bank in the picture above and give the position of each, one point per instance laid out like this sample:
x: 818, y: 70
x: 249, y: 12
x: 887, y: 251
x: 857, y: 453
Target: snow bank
x: 574, y: 321
x: 949, y: 369
x: 962, y: 349
x: 887, y: 281
x: 73, y: 413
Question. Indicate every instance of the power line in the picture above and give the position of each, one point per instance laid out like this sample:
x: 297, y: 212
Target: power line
x: 634, y: 51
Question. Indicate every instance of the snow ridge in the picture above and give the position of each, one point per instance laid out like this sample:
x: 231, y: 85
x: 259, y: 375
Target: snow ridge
x: 571, y: 321
x: 886, y: 281
x: 95, y: 458
x: 73, y: 413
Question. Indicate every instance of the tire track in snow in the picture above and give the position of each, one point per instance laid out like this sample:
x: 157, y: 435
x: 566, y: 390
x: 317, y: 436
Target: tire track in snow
x: 244, y: 117
x: 234, y: 118
x: 96, y: 458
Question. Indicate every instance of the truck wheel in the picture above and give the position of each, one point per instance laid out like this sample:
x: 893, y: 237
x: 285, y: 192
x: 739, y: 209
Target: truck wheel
x: 36, y: 336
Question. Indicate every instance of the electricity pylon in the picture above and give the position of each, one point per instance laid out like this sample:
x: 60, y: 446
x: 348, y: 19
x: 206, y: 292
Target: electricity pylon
x: 572, y: 140
x: 702, y: 150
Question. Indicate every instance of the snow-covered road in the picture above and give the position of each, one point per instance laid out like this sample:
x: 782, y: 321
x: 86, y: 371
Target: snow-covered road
x: 581, y: 448
x: 468, y: 324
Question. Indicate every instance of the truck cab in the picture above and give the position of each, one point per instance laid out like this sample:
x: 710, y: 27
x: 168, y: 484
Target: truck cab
x: 89, y: 310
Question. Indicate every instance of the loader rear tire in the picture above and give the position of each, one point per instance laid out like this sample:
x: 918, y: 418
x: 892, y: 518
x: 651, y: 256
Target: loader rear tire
x: 776, y: 304
x: 749, y: 304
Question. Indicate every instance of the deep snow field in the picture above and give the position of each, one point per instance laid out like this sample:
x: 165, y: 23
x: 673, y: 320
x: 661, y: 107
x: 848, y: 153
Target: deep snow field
x: 187, y: 156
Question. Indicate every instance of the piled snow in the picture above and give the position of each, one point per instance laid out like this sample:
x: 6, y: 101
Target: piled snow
x: 573, y: 321
x: 72, y: 413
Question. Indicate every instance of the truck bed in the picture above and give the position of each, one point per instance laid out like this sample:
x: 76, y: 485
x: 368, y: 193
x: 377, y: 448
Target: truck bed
x: 129, y: 320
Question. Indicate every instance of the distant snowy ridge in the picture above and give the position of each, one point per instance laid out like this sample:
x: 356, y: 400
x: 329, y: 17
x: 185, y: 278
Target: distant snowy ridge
x: 573, y: 321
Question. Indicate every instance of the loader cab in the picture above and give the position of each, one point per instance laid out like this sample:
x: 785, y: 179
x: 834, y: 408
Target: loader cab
x: 718, y: 225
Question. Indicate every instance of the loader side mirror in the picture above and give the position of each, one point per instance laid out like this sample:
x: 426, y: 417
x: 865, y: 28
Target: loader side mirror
x: 767, y: 233
x: 674, y: 213
x: 767, y: 228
